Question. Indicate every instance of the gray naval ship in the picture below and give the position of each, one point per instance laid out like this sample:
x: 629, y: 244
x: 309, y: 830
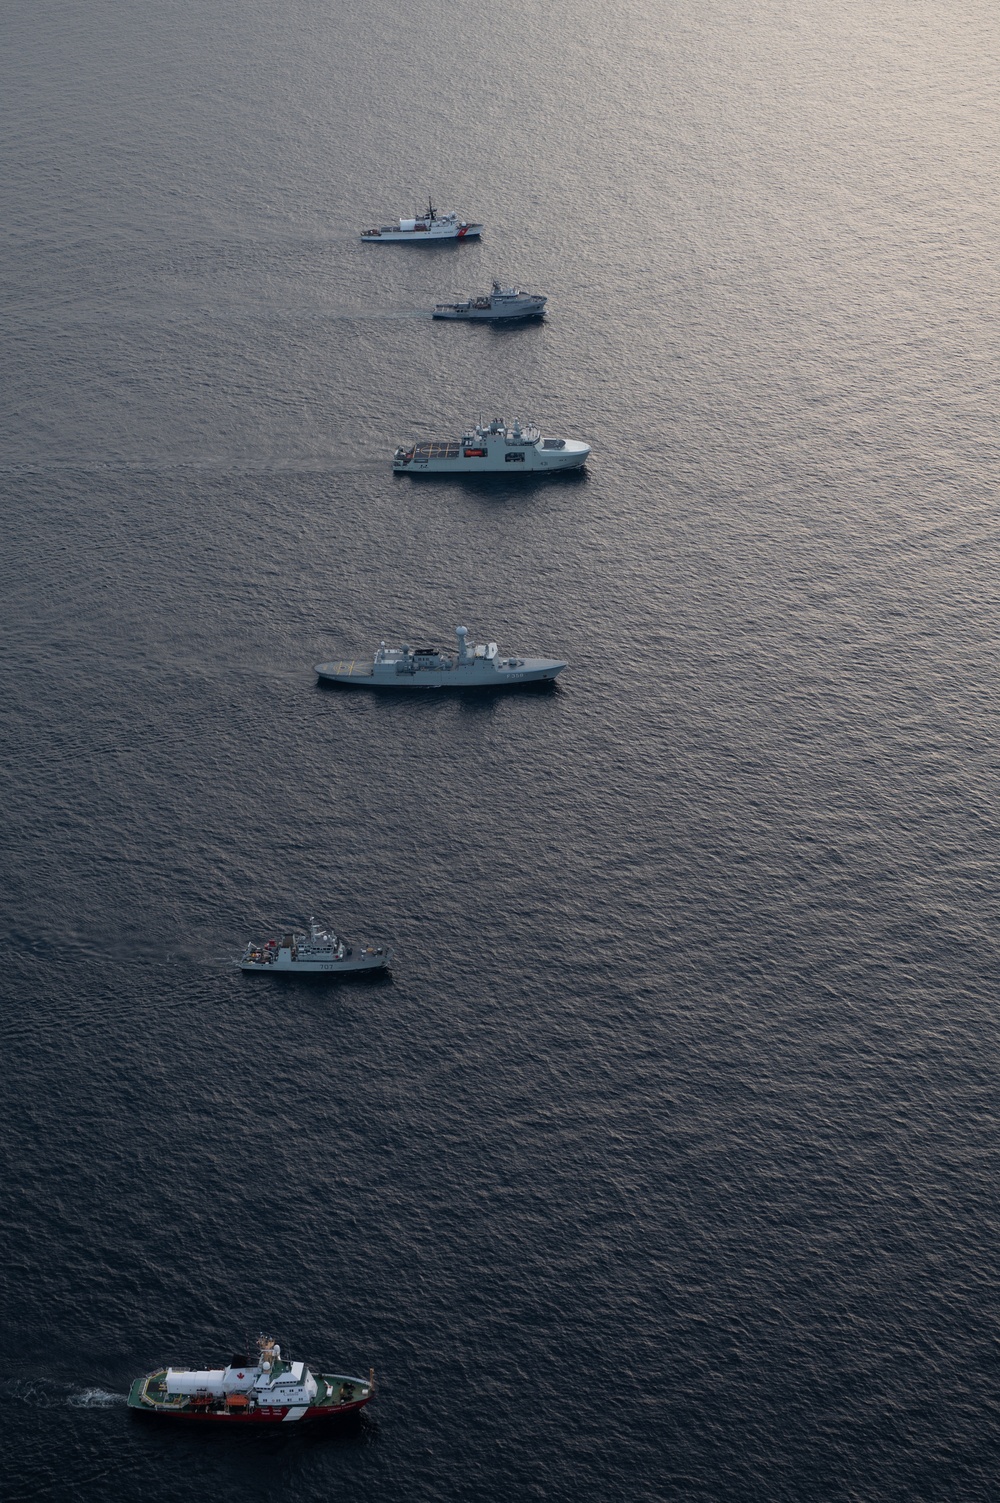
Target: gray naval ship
x: 317, y: 953
x: 501, y: 303
x: 499, y: 448
x: 479, y: 667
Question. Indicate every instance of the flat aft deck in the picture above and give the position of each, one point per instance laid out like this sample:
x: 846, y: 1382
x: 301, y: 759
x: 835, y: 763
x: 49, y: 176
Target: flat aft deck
x: 436, y: 451
x: 350, y: 668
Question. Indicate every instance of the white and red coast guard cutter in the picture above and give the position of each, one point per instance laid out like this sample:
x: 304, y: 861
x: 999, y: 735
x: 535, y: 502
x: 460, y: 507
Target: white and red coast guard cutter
x: 424, y: 229
x: 266, y: 1390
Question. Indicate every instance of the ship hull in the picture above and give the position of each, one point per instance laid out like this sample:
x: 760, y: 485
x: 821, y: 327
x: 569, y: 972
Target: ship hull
x: 320, y: 967
x: 299, y: 1414
x: 487, y: 316
x: 532, y: 462
x: 363, y: 676
x: 425, y: 237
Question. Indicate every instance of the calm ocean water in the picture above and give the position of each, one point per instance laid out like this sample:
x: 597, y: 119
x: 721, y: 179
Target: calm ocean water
x: 665, y: 1166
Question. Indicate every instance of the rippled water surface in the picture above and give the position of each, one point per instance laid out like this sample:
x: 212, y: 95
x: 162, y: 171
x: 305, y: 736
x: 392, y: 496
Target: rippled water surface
x: 665, y: 1164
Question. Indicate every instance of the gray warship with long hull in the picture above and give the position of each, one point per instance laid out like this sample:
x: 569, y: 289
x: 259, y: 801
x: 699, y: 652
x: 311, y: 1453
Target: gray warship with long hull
x: 500, y: 304
x: 479, y: 667
x: 499, y: 448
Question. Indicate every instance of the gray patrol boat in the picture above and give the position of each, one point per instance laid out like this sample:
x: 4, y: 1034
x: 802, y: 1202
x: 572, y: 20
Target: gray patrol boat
x: 317, y: 953
x: 479, y: 667
x: 501, y: 303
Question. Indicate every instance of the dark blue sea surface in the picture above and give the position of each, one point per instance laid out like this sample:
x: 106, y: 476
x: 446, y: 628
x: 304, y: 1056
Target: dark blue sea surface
x: 665, y: 1165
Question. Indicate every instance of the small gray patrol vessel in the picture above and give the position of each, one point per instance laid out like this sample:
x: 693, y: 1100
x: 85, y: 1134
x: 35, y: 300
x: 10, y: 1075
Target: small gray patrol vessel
x: 501, y: 303
x: 317, y: 953
x: 479, y: 667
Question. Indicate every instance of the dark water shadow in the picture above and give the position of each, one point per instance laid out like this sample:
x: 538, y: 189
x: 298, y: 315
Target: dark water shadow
x: 506, y: 326
x: 478, y: 699
x: 471, y: 703
x: 497, y: 325
x: 471, y: 696
x: 322, y: 980
x: 426, y: 247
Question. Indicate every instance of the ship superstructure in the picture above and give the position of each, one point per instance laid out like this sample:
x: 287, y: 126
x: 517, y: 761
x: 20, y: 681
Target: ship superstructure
x: 478, y: 667
x: 265, y: 1389
x: 500, y: 447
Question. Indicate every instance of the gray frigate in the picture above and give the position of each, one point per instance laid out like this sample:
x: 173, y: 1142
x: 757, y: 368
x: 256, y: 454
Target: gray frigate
x: 479, y: 667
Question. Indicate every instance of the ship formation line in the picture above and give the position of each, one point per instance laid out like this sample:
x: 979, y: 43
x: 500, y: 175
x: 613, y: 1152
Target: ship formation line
x: 267, y: 1388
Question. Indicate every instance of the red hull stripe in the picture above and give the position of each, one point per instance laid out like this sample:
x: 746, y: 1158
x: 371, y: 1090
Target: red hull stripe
x: 259, y: 1416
